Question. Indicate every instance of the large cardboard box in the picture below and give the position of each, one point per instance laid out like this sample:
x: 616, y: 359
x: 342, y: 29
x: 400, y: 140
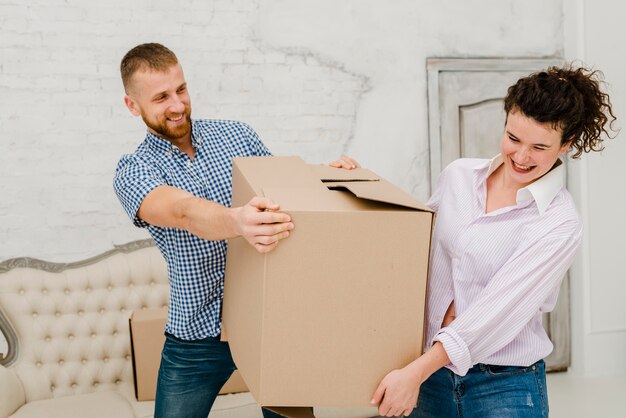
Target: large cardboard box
x: 324, y: 317
x: 147, y: 337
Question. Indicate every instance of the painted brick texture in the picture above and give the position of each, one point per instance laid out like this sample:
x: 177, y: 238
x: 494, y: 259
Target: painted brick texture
x: 315, y: 79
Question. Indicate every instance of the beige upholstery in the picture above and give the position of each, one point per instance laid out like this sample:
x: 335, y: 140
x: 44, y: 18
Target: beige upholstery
x: 69, y: 345
x: 11, y: 392
x: 103, y: 404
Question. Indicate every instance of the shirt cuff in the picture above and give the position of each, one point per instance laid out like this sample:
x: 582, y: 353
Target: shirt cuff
x: 457, y: 350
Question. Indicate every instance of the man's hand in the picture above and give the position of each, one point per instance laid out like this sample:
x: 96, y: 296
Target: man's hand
x: 397, y: 393
x: 260, y: 223
x: 345, y: 162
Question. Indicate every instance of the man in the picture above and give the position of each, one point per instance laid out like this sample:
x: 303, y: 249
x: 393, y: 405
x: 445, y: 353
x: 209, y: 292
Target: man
x: 178, y: 185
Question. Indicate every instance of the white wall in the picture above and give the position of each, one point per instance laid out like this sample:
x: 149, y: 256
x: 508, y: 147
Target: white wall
x: 314, y: 78
x: 592, y: 31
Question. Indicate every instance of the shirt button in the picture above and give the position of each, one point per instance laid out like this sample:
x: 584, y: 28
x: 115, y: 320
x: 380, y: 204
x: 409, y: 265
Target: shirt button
x: 188, y: 163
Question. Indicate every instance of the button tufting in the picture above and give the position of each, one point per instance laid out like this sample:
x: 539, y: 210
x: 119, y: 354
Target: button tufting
x: 106, y: 359
x: 70, y: 336
x: 131, y: 284
x: 88, y: 290
x: 95, y: 384
x: 38, y: 364
x: 47, y: 338
x: 21, y: 291
x: 93, y: 335
x: 80, y: 313
x: 83, y: 361
x: 61, y: 362
x: 52, y: 387
x: 35, y: 314
x: 101, y: 310
x: 118, y: 381
x: 115, y: 333
x: 44, y: 291
x: 66, y: 291
x: 109, y: 287
x: 74, y: 385
x: 57, y: 313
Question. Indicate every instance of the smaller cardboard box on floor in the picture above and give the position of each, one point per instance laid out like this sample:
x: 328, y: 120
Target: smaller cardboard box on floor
x: 147, y: 337
x: 324, y: 317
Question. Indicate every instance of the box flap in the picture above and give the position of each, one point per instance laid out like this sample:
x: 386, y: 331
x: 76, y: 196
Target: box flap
x: 305, y: 199
x: 327, y: 173
x: 259, y: 172
x: 380, y: 191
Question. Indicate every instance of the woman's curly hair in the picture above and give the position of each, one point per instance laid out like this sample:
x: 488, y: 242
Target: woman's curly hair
x: 567, y: 98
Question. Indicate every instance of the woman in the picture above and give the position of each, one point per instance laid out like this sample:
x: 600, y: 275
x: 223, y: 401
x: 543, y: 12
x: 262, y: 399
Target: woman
x: 506, y: 232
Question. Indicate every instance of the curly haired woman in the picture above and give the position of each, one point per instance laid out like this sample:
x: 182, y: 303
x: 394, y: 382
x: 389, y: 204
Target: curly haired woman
x: 506, y: 232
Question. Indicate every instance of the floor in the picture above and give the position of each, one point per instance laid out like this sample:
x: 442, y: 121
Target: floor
x: 572, y: 396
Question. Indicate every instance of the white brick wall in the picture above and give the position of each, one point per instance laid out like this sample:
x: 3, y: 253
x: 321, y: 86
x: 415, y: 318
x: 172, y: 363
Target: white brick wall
x: 315, y: 79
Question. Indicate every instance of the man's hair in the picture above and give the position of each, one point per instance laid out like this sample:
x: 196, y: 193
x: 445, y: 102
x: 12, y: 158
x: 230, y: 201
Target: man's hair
x: 150, y: 56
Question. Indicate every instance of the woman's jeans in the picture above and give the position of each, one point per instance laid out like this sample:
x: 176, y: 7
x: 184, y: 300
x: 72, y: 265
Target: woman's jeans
x: 190, y: 377
x: 486, y: 391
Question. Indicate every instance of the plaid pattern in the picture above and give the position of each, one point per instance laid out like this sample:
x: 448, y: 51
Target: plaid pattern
x: 196, y: 266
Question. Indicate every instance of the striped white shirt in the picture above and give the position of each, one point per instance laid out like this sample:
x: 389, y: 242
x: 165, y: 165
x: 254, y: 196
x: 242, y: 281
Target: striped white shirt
x: 503, y: 269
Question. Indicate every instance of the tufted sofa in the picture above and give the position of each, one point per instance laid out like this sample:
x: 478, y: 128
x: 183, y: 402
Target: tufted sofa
x: 66, y: 326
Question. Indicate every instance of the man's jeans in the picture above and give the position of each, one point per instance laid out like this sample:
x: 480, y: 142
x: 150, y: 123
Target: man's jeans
x: 486, y: 391
x: 190, y: 377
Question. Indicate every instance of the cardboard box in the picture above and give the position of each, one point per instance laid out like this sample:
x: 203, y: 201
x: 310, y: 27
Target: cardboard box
x: 324, y: 317
x: 147, y: 337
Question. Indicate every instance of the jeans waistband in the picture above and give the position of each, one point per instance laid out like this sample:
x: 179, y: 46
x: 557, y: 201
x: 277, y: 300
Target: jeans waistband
x: 485, y: 366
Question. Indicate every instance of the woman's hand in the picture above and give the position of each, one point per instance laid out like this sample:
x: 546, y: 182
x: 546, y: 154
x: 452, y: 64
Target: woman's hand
x: 345, y: 162
x: 398, y: 392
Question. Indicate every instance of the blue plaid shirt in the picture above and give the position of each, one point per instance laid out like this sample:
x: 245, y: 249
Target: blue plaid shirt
x: 195, y: 266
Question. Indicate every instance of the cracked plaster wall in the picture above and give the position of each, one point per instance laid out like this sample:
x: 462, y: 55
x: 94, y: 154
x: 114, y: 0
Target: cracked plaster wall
x: 315, y: 79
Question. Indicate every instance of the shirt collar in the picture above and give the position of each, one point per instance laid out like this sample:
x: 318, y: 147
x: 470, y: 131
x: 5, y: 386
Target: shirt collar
x: 543, y: 190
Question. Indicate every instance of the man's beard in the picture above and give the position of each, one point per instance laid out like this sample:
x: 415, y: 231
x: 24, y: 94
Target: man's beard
x: 170, y: 133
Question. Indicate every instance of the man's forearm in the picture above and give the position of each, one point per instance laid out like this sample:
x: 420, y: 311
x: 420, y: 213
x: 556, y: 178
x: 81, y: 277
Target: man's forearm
x: 170, y: 207
x: 206, y: 219
x: 258, y: 221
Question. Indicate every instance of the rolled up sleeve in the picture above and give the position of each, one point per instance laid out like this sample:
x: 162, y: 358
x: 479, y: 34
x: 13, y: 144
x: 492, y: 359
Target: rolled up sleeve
x: 516, y: 293
x: 134, y: 179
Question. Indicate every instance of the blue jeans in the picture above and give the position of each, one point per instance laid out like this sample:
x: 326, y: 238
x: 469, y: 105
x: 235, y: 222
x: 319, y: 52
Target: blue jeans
x: 486, y: 391
x: 190, y: 377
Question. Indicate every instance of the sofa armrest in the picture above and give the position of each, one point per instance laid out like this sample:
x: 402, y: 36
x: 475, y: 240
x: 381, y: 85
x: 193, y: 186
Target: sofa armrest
x: 11, y: 392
